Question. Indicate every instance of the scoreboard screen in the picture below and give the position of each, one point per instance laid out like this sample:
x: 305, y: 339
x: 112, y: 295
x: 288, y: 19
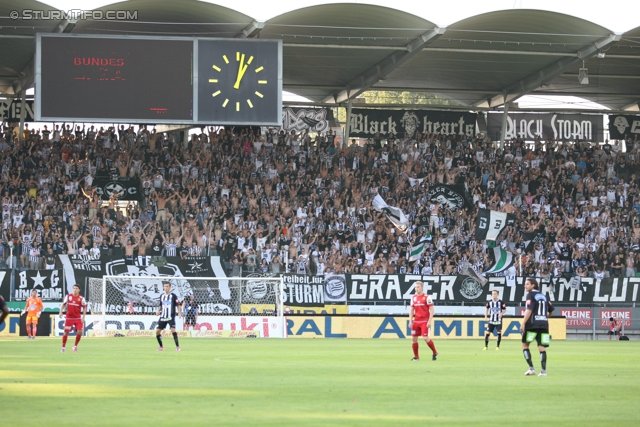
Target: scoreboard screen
x: 164, y: 80
x: 119, y: 79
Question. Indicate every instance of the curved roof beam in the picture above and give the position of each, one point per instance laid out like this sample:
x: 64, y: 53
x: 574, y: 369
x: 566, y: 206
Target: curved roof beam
x: 371, y: 76
x: 634, y: 106
x: 536, y: 79
x: 27, y: 75
x: 250, y: 31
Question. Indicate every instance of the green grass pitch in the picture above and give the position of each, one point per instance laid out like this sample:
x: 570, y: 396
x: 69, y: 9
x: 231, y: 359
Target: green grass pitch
x: 307, y: 382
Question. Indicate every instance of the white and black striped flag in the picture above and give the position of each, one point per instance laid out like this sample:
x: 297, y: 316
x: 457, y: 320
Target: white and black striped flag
x: 490, y: 224
x: 395, y: 215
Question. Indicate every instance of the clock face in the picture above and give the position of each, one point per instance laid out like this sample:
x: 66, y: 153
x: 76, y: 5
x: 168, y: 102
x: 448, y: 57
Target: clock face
x: 239, y: 82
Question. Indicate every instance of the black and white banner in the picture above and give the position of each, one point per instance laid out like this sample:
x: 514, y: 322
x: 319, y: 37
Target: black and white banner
x: 303, y: 290
x: 623, y: 126
x: 366, y: 123
x: 12, y: 110
x: 453, y: 196
x: 124, y: 188
x: 5, y: 284
x: 141, y: 283
x: 314, y: 291
x: 489, y: 224
x: 618, y: 290
x: 528, y: 126
x: 311, y: 119
x: 397, y: 289
x: 48, y: 284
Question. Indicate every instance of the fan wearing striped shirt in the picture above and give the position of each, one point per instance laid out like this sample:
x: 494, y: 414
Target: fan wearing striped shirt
x: 494, y: 310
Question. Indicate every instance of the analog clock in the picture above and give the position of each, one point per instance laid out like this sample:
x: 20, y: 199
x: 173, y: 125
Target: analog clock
x: 247, y: 72
x: 239, y: 82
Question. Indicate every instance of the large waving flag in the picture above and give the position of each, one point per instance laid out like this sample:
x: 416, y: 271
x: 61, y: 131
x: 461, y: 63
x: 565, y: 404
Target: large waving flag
x: 395, y: 215
x: 502, y: 260
x: 416, y: 251
x: 490, y: 224
x: 531, y: 238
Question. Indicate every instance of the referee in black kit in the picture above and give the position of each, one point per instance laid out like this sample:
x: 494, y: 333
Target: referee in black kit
x: 535, y: 325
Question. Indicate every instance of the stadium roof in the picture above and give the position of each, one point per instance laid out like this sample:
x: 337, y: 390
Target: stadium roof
x: 333, y: 52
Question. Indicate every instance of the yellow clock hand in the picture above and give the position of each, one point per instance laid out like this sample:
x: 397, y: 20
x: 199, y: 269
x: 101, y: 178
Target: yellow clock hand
x: 242, y: 68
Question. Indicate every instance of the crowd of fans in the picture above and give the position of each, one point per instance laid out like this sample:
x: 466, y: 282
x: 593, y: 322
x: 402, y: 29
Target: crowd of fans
x: 274, y: 201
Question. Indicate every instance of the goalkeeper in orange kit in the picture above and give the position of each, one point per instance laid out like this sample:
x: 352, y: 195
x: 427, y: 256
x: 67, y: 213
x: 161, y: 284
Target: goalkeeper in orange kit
x: 33, y: 308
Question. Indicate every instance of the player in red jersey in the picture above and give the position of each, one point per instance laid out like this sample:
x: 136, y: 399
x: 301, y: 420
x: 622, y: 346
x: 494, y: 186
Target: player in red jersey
x: 76, y: 312
x: 421, y: 320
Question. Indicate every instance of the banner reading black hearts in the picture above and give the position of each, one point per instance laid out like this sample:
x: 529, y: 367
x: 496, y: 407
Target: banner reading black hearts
x: 366, y: 123
x: 48, y: 284
x: 124, y: 188
x: 141, y: 283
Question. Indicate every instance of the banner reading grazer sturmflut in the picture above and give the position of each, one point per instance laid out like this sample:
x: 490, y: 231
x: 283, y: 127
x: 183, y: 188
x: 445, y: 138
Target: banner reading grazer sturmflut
x: 621, y: 126
x: 366, y: 123
x: 397, y: 289
x: 547, y: 125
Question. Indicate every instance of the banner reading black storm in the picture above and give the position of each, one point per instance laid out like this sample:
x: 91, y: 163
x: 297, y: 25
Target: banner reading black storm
x: 141, y: 283
x: 48, y: 284
x: 366, y: 123
x: 623, y: 126
x: 528, y: 126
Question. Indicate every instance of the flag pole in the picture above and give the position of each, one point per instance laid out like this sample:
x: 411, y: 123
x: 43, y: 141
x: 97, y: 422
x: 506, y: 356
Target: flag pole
x: 520, y: 263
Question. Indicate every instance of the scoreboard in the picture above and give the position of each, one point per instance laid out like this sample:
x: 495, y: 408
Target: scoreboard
x: 172, y: 80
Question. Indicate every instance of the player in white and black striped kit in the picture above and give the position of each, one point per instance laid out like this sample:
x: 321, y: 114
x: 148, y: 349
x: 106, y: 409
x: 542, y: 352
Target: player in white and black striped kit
x: 494, y: 310
x: 169, y: 305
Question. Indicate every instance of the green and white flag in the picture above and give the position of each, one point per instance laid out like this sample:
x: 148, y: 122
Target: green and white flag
x: 416, y: 252
x: 502, y: 260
